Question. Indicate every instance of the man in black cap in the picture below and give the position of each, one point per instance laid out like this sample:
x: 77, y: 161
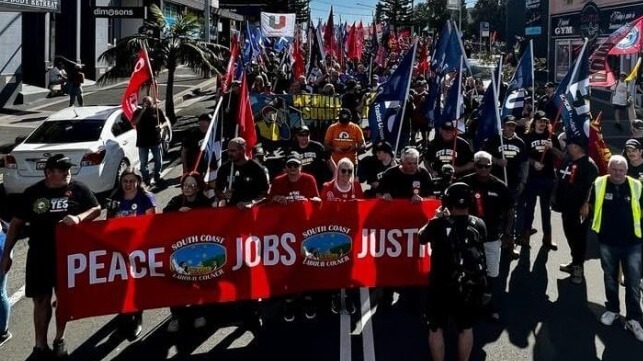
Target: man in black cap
x: 375, y: 165
x: 634, y: 153
x: 545, y: 104
x: 53, y: 200
x: 448, y: 148
x: 458, y: 281
x: 575, y: 179
x: 315, y: 159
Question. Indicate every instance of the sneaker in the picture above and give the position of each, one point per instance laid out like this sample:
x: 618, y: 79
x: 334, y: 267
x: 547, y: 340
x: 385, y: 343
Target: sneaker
x: 4, y: 337
x: 336, y: 304
x: 567, y: 268
x: 635, y: 327
x: 350, y: 306
x: 135, y: 328
x: 310, y: 311
x: 577, y: 275
x: 288, y: 311
x: 547, y: 242
x: 60, y: 349
x: 173, y: 326
x: 200, y: 322
x: 609, y: 317
x: 40, y: 354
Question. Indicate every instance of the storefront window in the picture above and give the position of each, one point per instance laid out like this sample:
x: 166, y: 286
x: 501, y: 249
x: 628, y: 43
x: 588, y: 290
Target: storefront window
x: 562, y: 59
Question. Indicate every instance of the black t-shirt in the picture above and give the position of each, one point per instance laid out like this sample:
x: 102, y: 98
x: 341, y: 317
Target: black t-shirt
x: 457, y: 246
x: 249, y: 181
x: 617, y: 223
x: 515, y: 153
x: 179, y: 201
x: 148, y: 133
x: 439, y: 153
x: 314, y: 160
x: 401, y: 185
x: 371, y: 169
x: 192, y: 142
x: 491, y: 200
x: 44, y: 207
x: 535, y: 144
x: 635, y: 172
x: 575, y: 178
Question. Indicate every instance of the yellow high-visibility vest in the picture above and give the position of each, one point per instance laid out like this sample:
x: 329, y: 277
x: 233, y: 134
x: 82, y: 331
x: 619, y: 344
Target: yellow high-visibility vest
x: 600, y: 186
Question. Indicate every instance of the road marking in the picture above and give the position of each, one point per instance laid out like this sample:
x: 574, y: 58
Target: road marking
x: 366, y: 326
x: 17, y: 296
x: 345, y: 352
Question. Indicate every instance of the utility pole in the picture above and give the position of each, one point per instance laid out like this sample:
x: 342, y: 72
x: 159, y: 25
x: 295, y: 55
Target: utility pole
x: 206, y: 23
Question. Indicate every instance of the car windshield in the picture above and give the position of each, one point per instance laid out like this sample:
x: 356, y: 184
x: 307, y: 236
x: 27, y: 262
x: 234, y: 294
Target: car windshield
x: 67, y: 131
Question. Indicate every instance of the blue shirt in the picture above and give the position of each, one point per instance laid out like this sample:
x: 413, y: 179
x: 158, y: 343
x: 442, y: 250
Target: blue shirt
x: 136, y: 206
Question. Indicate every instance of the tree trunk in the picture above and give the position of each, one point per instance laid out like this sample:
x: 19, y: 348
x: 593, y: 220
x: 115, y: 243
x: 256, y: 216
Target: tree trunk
x: 169, y: 93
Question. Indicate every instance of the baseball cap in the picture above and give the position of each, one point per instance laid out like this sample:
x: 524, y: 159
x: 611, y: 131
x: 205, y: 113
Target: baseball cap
x: 293, y: 157
x: 637, y: 124
x: 448, y: 125
x: 58, y: 161
x: 510, y: 119
x: 303, y: 130
x: 633, y: 143
x: 581, y: 142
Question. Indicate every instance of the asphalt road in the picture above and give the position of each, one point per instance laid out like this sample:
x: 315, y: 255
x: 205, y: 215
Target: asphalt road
x: 543, y: 317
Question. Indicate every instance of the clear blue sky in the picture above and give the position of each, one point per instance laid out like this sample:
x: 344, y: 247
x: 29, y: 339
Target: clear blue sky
x: 350, y: 11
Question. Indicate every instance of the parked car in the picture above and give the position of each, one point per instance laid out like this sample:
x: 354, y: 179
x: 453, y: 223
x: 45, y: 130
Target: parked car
x: 100, y: 141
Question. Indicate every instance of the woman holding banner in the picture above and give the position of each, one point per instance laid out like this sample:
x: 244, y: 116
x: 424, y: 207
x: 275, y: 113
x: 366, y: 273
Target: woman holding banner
x: 191, y: 197
x: 131, y: 199
x: 342, y: 188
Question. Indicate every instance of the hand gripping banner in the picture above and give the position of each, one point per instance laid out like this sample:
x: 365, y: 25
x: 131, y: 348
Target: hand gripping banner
x: 225, y: 254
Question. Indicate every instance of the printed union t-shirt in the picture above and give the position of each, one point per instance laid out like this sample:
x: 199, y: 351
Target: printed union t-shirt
x: 330, y: 192
x: 343, y: 136
x: 304, y: 188
x: 136, y: 206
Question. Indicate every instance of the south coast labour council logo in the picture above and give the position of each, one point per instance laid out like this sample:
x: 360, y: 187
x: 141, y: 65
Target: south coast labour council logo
x: 326, y: 246
x: 198, y: 258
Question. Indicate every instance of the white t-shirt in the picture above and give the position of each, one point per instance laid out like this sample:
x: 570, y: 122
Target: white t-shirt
x: 619, y: 93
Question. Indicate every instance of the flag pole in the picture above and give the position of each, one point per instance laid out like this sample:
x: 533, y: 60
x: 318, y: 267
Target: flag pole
x: 214, y: 120
x: 457, y: 109
x: 406, y: 96
x: 533, y: 80
x: 502, y: 145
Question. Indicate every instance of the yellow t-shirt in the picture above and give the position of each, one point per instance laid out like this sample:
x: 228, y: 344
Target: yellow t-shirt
x: 346, y: 137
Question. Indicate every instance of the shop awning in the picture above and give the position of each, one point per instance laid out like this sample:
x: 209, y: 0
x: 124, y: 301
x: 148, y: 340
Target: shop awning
x: 40, y: 6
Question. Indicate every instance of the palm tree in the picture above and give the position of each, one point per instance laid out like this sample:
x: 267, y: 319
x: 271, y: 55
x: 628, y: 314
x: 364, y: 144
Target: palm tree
x: 168, y: 48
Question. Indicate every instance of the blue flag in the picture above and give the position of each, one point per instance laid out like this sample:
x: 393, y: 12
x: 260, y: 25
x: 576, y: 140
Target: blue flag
x: 487, y: 125
x: 385, y: 115
x: 522, y: 79
x: 252, y: 46
x: 572, y: 97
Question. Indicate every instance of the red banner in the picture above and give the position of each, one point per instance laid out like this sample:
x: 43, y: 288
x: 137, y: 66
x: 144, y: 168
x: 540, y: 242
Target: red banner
x: 225, y: 254
x: 140, y: 75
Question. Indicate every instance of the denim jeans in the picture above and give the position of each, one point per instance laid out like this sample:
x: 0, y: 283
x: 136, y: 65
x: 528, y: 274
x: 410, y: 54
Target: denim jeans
x: 630, y: 259
x: 538, y: 187
x: 5, y: 307
x: 143, y: 156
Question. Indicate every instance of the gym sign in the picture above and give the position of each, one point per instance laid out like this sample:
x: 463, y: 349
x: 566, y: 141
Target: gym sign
x: 138, y: 12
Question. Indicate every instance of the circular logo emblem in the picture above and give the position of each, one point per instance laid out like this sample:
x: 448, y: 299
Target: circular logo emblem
x: 198, y: 261
x: 630, y: 40
x: 41, y: 205
x: 326, y: 249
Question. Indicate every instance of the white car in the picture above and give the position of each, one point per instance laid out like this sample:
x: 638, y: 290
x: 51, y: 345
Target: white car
x: 100, y: 141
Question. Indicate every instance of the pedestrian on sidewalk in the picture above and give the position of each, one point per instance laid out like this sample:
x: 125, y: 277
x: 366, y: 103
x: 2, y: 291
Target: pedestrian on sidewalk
x: 57, y: 199
x: 616, y: 203
x: 575, y: 180
x: 76, y: 80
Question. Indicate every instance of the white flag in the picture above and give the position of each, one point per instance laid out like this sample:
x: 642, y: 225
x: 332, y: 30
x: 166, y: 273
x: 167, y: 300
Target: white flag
x: 278, y: 25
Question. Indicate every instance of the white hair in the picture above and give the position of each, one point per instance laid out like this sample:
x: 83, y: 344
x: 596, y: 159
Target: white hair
x: 482, y: 155
x: 347, y: 163
x: 411, y: 153
x: 617, y: 159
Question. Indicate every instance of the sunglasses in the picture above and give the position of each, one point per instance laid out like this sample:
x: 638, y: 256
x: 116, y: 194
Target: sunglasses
x: 292, y: 164
x: 483, y: 166
x: 346, y: 171
x: 190, y: 185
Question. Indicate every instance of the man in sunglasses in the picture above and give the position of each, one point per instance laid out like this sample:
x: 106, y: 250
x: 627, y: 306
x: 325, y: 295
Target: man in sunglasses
x: 493, y: 203
x: 406, y: 181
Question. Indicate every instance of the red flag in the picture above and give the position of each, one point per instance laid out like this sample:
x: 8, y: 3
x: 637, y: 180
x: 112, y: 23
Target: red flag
x: 360, y: 39
x: 141, y: 74
x: 598, y: 150
x: 246, y: 119
x: 329, y: 35
x: 351, y: 44
x: 423, y: 59
x: 234, y: 54
x: 299, y: 66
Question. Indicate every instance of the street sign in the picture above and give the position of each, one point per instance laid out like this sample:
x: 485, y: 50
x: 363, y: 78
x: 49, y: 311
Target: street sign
x: 484, y: 29
x: 30, y: 6
x: 137, y: 12
x: 454, y: 4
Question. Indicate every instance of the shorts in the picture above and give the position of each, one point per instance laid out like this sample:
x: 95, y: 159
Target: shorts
x: 619, y: 107
x: 444, y: 305
x: 40, y: 273
x: 492, y: 254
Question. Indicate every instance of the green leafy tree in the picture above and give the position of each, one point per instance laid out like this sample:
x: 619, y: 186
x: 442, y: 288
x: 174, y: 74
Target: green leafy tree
x: 397, y: 12
x: 379, y: 12
x: 432, y: 14
x: 492, y: 11
x: 168, y: 47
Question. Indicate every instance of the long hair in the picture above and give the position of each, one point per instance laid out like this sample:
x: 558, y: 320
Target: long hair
x: 118, y: 193
x: 349, y: 164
